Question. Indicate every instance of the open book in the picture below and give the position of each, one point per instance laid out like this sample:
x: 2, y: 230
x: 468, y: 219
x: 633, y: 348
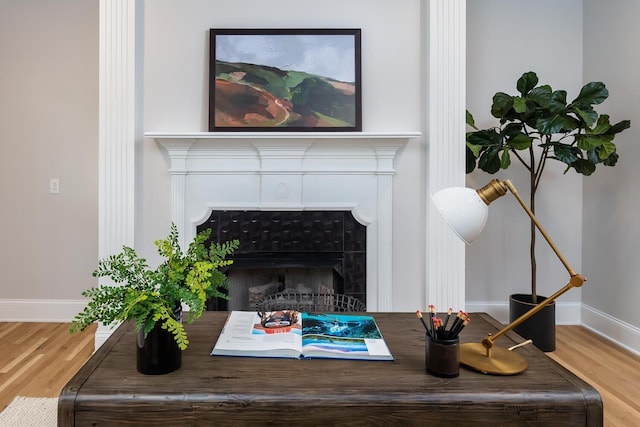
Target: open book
x: 293, y: 334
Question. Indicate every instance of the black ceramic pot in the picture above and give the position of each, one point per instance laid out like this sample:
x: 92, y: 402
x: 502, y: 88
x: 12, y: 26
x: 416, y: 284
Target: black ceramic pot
x: 158, y: 353
x: 541, y: 327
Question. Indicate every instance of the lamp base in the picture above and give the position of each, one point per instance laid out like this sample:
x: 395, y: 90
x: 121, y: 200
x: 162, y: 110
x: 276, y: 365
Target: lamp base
x: 501, y: 362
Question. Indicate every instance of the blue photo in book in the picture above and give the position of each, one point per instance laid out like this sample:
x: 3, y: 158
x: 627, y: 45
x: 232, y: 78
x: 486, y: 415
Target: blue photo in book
x: 337, y: 333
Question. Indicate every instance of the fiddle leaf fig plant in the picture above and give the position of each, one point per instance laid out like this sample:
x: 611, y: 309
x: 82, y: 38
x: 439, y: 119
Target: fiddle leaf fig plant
x: 537, y: 125
x: 150, y: 296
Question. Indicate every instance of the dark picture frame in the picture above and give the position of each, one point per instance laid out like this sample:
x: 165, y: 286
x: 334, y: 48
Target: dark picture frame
x: 285, y: 80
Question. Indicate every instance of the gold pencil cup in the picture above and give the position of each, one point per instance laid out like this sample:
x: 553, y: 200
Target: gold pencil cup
x: 442, y: 357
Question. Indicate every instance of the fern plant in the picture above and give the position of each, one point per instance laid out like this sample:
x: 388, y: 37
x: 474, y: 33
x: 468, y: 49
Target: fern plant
x: 149, y: 296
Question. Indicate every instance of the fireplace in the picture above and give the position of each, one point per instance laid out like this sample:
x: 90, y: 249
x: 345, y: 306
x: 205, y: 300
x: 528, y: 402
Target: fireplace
x: 290, y: 251
x: 223, y: 180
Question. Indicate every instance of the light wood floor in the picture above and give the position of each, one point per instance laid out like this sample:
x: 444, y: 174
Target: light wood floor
x: 37, y: 360
x: 612, y: 370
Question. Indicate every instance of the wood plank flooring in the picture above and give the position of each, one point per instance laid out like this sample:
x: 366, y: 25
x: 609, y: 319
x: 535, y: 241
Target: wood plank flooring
x: 612, y: 370
x: 37, y: 360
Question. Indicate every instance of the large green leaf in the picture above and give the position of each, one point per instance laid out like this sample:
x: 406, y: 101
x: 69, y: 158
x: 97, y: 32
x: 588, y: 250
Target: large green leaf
x: 526, y: 82
x: 585, y: 167
x: 505, y: 160
x: 593, y: 156
x: 591, y: 93
x: 557, y: 123
x: 519, y: 141
x: 489, y: 161
x: 558, y: 101
x: 588, y: 114
x: 512, y: 129
x: 565, y: 153
x: 611, y: 160
x: 618, y: 127
x: 519, y: 104
x: 470, y: 121
x: 475, y: 150
x: 541, y: 95
x: 485, y: 137
x: 589, y: 142
x: 502, y: 104
x: 602, y: 126
x: 606, y: 150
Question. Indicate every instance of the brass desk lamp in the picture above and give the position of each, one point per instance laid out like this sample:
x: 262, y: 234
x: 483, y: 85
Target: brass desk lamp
x: 466, y: 211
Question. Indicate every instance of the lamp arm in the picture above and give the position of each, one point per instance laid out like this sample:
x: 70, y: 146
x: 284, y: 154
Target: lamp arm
x: 575, y: 281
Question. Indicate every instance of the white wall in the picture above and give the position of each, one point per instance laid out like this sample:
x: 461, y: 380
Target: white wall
x: 176, y: 98
x: 611, y: 231
x: 48, y: 128
x: 506, y: 38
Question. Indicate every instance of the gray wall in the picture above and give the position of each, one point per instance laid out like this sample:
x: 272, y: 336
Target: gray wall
x: 48, y: 129
x: 504, y: 40
x: 611, y: 230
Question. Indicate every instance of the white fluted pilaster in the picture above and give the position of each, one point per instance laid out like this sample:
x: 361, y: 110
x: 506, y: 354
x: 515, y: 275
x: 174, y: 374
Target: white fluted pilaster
x: 446, y: 153
x: 119, y: 38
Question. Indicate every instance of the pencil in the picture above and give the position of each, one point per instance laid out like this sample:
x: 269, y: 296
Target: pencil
x: 464, y: 321
x: 432, y: 312
x: 426, y: 328
x: 446, y: 322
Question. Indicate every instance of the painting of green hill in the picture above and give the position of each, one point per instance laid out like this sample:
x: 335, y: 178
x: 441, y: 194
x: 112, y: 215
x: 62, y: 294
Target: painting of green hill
x: 252, y: 95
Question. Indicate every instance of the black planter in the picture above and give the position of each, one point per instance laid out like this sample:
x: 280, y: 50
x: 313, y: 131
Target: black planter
x: 541, y: 327
x: 158, y: 353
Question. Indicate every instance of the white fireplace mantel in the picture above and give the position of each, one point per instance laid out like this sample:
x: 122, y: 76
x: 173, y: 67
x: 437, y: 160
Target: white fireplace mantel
x: 291, y: 171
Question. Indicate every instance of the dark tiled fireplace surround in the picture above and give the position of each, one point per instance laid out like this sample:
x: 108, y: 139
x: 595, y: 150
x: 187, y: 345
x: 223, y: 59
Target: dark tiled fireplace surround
x: 294, y: 240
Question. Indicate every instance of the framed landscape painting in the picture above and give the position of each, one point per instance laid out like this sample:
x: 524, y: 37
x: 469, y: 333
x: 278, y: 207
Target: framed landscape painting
x: 285, y: 80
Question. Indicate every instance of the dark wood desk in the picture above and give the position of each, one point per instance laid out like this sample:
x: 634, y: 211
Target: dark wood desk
x: 109, y: 391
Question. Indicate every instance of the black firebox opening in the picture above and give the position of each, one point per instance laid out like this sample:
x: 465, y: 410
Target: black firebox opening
x: 287, y: 240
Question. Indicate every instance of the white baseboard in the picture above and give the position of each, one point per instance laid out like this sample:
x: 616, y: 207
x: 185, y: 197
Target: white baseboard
x: 40, y: 310
x: 622, y: 333
x: 101, y: 336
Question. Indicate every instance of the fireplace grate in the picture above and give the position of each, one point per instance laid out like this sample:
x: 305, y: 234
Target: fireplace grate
x: 310, y: 302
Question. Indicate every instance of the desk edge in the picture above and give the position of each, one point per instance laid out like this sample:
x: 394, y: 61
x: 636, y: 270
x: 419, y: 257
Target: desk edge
x: 68, y: 394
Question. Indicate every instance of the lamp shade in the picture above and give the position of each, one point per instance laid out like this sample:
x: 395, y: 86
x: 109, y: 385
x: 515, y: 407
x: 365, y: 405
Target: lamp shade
x: 464, y: 211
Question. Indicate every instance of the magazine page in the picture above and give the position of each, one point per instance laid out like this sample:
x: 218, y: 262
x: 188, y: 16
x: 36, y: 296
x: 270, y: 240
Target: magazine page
x: 342, y: 336
x: 274, y: 334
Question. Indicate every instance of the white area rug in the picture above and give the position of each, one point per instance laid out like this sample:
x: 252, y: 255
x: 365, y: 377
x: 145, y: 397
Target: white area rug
x: 30, y: 411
